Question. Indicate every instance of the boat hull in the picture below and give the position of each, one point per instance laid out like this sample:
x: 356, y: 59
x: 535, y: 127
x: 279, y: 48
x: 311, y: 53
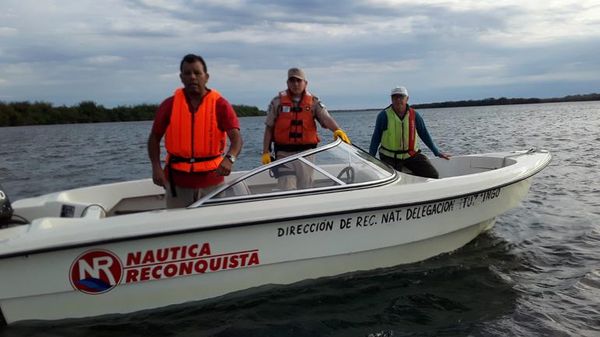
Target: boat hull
x: 150, y: 272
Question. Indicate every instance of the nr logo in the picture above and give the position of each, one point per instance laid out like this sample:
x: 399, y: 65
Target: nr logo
x: 96, y: 272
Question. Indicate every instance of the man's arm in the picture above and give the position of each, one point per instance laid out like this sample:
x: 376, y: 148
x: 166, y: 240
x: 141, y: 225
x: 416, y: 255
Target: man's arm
x: 269, y: 129
x: 326, y: 120
x: 329, y: 122
x: 380, y: 126
x: 235, y: 138
x: 228, y: 121
x: 235, y: 147
x: 159, y: 127
x: 324, y: 117
x: 158, y: 175
x: 267, y: 139
x: 426, y: 138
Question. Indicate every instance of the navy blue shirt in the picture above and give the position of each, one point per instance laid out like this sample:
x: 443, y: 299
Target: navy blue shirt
x: 381, y: 125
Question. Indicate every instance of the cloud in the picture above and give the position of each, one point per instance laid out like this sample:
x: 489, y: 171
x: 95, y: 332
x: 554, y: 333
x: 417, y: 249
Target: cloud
x: 128, y: 51
x: 104, y: 59
x: 7, y: 31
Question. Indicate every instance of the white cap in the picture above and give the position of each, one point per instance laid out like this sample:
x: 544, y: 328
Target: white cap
x: 399, y: 91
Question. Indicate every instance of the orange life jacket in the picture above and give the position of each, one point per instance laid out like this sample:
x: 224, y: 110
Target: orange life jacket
x: 193, y: 140
x: 295, y: 127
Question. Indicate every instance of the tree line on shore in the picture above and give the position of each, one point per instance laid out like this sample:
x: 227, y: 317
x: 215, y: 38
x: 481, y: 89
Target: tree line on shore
x: 27, y: 113
x: 507, y: 101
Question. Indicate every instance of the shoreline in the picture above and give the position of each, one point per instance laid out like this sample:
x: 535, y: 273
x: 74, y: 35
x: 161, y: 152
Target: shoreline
x: 491, y: 102
x: 43, y: 113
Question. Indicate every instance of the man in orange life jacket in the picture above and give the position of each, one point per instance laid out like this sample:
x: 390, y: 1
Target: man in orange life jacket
x: 396, y: 129
x: 290, y: 125
x: 196, y: 122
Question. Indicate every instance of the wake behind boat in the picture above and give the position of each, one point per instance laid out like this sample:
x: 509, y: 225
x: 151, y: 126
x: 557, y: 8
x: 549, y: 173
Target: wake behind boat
x: 113, y: 248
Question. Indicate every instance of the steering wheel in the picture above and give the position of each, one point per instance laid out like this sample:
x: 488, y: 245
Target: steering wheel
x: 346, y: 175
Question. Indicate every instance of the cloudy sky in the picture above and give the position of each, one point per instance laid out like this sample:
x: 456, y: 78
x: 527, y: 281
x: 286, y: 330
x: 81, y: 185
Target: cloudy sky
x: 126, y: 52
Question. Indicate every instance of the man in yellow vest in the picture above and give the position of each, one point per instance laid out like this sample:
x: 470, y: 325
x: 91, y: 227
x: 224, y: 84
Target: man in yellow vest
x: 395, y: 135
x: 290, y: 125
x: 196, y: 122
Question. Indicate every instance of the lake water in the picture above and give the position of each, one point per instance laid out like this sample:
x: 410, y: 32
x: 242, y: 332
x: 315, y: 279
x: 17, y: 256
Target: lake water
x: 537, y: 273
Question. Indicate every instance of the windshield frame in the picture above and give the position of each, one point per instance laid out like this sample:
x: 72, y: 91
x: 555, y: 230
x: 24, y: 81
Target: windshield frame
x: 210, y: 200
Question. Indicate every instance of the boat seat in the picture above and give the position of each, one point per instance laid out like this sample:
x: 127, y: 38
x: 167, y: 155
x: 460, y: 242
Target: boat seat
x: 237, y: 190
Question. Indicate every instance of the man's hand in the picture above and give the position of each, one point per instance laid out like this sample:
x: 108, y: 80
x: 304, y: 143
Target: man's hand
x: 224, y: 168
x: 158, y: 177
x: 444, y: 155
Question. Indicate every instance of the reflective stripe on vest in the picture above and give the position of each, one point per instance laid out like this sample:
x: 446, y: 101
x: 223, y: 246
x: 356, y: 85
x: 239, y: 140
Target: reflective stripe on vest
x: 295, y: 125
x: 194, y: 142
x: 399, y: 139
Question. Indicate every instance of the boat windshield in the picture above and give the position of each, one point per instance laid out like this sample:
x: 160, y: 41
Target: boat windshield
x: 332, y: 166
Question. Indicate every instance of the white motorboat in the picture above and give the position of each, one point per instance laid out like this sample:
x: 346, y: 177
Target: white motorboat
x: 113, y: 248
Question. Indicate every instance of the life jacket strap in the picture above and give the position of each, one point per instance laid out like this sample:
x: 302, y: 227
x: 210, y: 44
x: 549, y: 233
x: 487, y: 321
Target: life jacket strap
x: 397, y: 152
x: 177, y: 159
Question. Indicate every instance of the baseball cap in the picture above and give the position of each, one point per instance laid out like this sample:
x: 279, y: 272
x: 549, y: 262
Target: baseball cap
x: 297, y: 73
x: 399, y: 91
